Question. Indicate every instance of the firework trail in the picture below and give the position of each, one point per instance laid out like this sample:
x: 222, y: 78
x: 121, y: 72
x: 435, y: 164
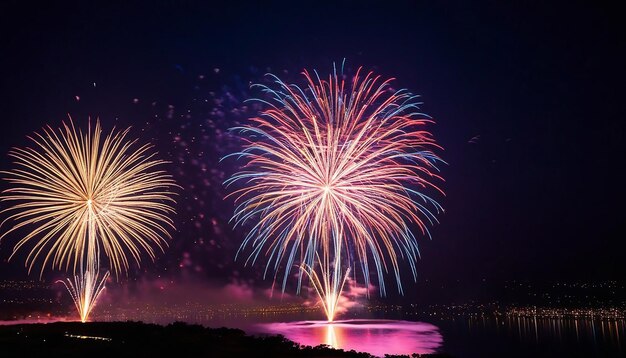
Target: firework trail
x: 83, y: 193
x: 85, y: 289
x: 336, y: 174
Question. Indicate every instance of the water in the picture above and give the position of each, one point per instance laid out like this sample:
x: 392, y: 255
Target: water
x: 377, y: 337
x: 533, y: 337
x: 471, y: 337
x: 463, y: 337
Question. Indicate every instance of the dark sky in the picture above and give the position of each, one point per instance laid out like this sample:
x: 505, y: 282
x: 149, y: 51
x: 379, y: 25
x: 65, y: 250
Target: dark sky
x: 539, y: 195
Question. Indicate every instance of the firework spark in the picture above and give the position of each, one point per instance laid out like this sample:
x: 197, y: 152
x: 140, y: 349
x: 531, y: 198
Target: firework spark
x: 337, y: 175
x: 84, y: 193
x: 85, y: 288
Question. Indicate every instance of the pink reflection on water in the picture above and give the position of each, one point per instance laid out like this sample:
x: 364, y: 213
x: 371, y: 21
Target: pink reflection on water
x: 377, y: 337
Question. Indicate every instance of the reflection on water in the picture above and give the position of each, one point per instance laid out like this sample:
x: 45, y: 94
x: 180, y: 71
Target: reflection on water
x: 528, y: 329
x: 511, y: 336
x: 377, y: 337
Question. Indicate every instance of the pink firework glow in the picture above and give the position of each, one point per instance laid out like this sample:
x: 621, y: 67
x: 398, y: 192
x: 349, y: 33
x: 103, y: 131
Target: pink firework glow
x: 336, y: 176
x: 378, y: 337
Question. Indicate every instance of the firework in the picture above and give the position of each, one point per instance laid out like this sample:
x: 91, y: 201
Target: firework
x: 336, y: 175
x: 85, y: 289
x: 84, y: 193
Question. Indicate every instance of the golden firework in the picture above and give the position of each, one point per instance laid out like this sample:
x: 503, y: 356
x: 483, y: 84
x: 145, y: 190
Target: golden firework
x: 85, y: 192
x: 81, y: 193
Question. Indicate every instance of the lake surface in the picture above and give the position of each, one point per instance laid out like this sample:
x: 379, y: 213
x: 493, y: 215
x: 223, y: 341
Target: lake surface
x: 472, y: 337
x: 463, y: 337
x: 378, y: 337
x: 533, y: 337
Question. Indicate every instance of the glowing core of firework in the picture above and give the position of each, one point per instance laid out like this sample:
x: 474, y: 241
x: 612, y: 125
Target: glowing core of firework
x: 336, y: 174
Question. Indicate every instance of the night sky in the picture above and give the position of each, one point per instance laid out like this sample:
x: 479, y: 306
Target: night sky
x: 528, y: 100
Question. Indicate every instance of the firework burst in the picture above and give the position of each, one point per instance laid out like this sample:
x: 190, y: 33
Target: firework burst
x: 84, y: 193
x: 336, y: 174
